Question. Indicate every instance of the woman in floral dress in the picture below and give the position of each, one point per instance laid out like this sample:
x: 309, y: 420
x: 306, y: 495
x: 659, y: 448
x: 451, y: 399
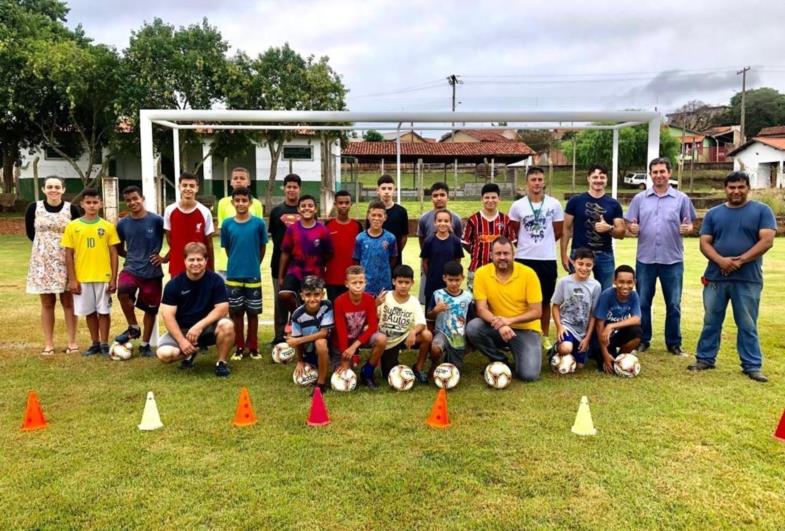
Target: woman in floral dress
x: 45, y: 222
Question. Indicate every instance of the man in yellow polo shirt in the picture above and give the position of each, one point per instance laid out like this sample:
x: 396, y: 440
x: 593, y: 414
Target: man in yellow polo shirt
x: 509, y: 305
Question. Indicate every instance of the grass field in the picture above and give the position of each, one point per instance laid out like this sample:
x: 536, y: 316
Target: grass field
x: 674, y: 449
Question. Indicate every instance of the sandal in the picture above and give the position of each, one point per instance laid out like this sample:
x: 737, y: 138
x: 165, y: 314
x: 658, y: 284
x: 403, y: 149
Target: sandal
x: 72, y: 350
x: 48, y: 352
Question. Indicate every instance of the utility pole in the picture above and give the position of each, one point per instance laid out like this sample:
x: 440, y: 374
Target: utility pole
x: 743, y: 73
x: 453, y: 81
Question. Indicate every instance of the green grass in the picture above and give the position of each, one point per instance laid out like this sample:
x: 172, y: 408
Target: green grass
x: 674, y: 449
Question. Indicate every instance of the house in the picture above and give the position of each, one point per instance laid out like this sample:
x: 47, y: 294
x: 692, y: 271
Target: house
x: 480, y: 135
x: 406, y: 136
x: 710, y: 145
x: 762, y: 158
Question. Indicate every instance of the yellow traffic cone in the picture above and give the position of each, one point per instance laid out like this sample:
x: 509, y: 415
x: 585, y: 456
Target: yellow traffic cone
x: 583, y: 423
x: 151, y: 420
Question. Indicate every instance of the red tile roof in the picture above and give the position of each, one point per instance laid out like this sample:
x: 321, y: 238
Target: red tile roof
x: 777, y: 130
x: 719, y: 130
x: 690, y: 139
x: 483, y: 149
x: 776, y: 143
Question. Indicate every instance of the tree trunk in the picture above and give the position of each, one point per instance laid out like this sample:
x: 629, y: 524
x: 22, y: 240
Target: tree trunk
x: 10, y: 153
x: 275, y: 154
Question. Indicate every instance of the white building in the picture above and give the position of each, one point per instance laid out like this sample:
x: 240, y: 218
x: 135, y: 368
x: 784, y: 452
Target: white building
x: 762, y: 158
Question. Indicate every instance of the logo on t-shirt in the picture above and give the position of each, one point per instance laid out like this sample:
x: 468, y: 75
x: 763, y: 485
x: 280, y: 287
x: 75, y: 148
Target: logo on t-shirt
x: 316, y: 242
x: 289, y: 219
x: 101, y: 233
x: 198, y: 227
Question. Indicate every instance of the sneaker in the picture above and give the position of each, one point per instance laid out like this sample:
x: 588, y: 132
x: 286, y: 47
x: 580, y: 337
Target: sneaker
x: 369, y: 382
x: 699, y: 366
x: 276, y: 340
x: 188, y: 363
x: 757, y: 376
x: 546, y: 343
x: 322, y: 387
x: 677, y: 351
x: 133, y: 332
x: 92, y: 350
x: 238, y: 354
x: 254, y: 354
x: 104, y: 349
x: 222, y: 369
x: 146, y: 351
x: 644, y: 346
x: 421, y: 376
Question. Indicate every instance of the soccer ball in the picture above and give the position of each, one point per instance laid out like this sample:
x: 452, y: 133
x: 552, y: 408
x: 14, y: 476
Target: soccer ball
x: 401, y: 378
x: 121, y: 352
x: 283, y: 353
x: 627, y: 365
x: 555, y: 361
x: 446, y: 376
x: 566, y: 364
x: 498, y: 375
x: 308, y: 377
x: 343, y: 380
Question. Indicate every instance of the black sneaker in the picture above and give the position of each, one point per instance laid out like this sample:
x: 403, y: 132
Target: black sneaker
x: 677, y: 351
x: 644, y: 346
x: 104, y: 349
x: 421, y: 376
x: 188, y: 363
x: 146, y: 351
x: 276, y: 340
x: 369, y: 382
x: 222, y: 369
x: 133, y: 332
x: 757, y: 376
x: 699, y: 366
x: 238, y: 354
x: 92, y: 350
x: 322, y: 387
x: 254, y: 354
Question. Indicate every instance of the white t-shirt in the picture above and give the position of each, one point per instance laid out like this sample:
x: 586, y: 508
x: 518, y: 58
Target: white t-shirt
x: 536, y: 239
x: 396, y: 320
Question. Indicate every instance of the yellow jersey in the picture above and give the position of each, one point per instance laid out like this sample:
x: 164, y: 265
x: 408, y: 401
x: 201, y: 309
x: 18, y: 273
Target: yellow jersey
x: 90, y: 241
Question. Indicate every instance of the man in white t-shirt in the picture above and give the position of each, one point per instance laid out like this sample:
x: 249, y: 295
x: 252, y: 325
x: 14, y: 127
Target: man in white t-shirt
x: 538, y: 219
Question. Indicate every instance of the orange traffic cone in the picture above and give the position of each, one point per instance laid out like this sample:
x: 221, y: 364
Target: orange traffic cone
x: 244, y: 415
x: 439, y: 417
x: 34, y: 415
x: 780, y: 431
x: 318, y: 415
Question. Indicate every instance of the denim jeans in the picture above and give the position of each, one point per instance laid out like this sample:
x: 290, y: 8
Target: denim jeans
x: 745, y: 301
x: 671, y: 278
x: 525, y: 347
x: 604, y: 266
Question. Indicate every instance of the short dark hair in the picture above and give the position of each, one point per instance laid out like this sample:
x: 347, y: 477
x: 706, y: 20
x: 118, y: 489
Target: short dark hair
x: 188, y: 176
x: 660, y: 160
x: 584, y: 253
x: 736, y: 176
x: 242, y: 169
x: 293, y: 178
x: 343, y: 193
x: 453, y: 269
x: 443, y: 211
x: 312, y: 283
x: 306, y: 197
x: 91, y: 192
x: 624, y: 268
x: 403, y: 271
x: 385, y: 179
x: 243, y: 191
x: 490, y: 188
x: 133, y: 189
x: 355, y: 270
x: 594, y: 167
x: 376, y: 205
x: 501, y: 240
x: 440, y: 186
x: 62, y: 181
x: 534, y: 169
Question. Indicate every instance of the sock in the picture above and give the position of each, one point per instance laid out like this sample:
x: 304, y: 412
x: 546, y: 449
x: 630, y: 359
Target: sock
x: 252, y: 344
x: 239, y: 343
x: 144, y: 343
x: 367, y: 370
x: 135, y: 327
x: 322, y: 387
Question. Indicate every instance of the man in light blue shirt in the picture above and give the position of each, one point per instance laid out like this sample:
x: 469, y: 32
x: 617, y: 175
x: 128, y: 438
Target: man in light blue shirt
x: 660, y: 217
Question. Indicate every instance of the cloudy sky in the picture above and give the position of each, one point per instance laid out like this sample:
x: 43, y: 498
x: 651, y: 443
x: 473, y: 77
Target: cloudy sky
x: 510, y: 55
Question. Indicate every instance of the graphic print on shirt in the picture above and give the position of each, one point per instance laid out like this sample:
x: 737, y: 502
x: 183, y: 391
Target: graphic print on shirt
x: 594, y: 213
x: 395, y: 321
x: 355, y: 323
x: 536, y: 225
x: 576, y: 309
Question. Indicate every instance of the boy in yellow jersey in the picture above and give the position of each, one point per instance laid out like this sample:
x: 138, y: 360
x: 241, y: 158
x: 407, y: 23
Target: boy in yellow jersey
x: 241, y: 178
x: 91, y: 261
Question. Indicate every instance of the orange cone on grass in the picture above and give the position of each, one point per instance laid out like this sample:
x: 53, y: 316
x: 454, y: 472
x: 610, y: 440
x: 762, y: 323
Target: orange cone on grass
x: 439, y: 417
x: 244, y: 416
x: 34, y: 415
x: 779, y: 433
x: 318, y: 415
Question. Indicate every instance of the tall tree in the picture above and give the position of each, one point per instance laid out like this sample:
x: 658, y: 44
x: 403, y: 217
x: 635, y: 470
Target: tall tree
x: 765, y: 107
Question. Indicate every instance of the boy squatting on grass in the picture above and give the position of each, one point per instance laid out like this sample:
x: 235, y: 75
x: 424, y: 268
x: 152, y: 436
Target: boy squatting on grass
x: 311, y: 326
x: 618, y: 315
x: 574, y: 302
x: 450, y: 307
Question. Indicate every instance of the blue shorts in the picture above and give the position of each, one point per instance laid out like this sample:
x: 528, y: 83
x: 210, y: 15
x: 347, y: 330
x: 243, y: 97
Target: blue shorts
x: 580, y: 357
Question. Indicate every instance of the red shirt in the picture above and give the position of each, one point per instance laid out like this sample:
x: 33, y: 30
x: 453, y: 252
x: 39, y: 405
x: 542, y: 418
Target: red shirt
x: 479, y: 234
x: 354, y: 321
x: 184, y: 228
x: 343, y: 236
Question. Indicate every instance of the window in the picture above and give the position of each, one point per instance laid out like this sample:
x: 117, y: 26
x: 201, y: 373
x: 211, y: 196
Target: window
x: 298, y: 152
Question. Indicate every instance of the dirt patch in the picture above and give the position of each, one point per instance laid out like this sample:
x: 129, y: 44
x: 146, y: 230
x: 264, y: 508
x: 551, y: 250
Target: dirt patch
x: 12, y: 226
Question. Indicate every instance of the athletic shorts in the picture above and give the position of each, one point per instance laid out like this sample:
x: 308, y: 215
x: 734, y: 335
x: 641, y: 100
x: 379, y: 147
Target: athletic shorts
x: 291, y: 283
x: 580, y: 357
x: 390, y: 357
x: 450, y: 354
x: 206, y: 338
x: 245, y: 295
x: 310, y: 357
x: 146, y: 292
x: 93, y: 299
x: 622, y: 336
x: 547, y: 271
x: 370, y: 344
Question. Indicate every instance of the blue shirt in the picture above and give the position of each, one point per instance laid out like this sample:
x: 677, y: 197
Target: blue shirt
x: 374, y: 254
x: 305, y: 324
x: 659, y: 217
x: 194, y: 299
x: 243, y: 242
x: 611, y: 310
x: 438, y: 253
x: 452, y: 321
x: 587, y: 211
x: 735, y: 231
x: 142, y: 238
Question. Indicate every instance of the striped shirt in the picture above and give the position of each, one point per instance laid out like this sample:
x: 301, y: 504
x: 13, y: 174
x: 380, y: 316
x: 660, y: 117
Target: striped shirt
x: 480, y: 233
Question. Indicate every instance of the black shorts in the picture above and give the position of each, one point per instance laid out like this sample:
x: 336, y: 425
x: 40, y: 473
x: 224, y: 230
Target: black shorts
x: 547, y: 271
x: 245, y: 295
x: 622, y: 336
x: 390, y: 357
x: 291, y: 283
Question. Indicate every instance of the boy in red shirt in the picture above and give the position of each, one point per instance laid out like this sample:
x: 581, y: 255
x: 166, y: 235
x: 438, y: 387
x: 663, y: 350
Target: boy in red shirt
x: 187, y: 221
x: 343, y: 231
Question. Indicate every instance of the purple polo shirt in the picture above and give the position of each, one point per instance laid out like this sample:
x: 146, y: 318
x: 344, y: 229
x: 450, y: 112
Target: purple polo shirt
x: 659, y: 217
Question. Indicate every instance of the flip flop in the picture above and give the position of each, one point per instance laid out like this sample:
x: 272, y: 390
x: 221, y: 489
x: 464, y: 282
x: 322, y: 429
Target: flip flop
x: 48, y: 352
x: 72, y: 350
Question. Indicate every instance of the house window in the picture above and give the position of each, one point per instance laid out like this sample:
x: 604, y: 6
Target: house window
x: 73, y: 151
x: 298, y: 153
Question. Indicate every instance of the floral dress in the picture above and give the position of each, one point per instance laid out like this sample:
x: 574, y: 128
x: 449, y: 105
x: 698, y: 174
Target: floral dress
x: 47, y: 272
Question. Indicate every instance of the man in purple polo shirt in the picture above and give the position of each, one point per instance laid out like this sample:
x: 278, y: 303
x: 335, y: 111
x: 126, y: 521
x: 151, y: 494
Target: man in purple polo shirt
x: 659, y: 217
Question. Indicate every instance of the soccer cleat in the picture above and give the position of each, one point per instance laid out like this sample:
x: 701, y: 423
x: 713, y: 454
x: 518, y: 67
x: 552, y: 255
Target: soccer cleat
x: 546, y: 343
x: 92, y: 350
x: 322, y: 387
x: 132, y: 332
x: 238, y: 354
x: 369, y: 382
x: 104, y: 349
x: 757, y: 376
x: 188, y: 363
x: 254, y: 354
x: 699, y: 366
x: 421, y: 376
x: 146, y: 351
x: 677, y: 351
x: 222, y: 369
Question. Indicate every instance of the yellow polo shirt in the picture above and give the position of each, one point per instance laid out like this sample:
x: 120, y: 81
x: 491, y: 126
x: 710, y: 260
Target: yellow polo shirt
x: 512, y: 297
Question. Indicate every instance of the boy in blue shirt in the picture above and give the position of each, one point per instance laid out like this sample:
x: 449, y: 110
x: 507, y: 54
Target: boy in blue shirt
x: 618, y: 315
x: 450, y: 308
x: 311, y: 326
x: 245, y: 239
x: 376, y: 250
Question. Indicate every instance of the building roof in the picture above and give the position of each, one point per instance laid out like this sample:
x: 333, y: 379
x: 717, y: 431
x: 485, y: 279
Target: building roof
x: 481, y: 135
x: 439, y: 151
x: 776, y: 143
x: 720, y: 130
x: 392, y: 135
x: 690, y: 139
x: 777, y: 130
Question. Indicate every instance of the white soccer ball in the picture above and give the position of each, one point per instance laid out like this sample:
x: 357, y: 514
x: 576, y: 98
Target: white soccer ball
x: 446, y: 376
x: 283, y: 353
x: 308, y: 377
x: 401, y: 378
x: 121, y: 352
x: 555, y: 361
x: 498, y: 375
x: 343, y: 380
x: 627, y: 365
x: 566, y: 364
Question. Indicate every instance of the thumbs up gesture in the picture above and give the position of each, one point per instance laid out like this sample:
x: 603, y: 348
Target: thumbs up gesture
x: 633, y: 227
x: 685, y: 227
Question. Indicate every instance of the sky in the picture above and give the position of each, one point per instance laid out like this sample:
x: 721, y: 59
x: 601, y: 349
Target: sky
x: 511, y: 55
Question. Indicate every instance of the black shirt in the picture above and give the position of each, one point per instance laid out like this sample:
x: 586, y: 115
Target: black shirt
x: 281, y: 217
x: 194, y: 299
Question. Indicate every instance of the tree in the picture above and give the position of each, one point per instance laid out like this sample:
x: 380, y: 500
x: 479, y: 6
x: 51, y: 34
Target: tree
x: 694, y: 115
x: 596, y: 146
x: 372, y: 135
x: 540, y: 140
x: 765, y: 107
x: 281, y: 79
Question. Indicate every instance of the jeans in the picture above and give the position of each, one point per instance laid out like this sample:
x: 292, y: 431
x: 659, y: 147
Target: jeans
x: 525, y: 347
x: 745, y: 301
x: 671, y: 278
